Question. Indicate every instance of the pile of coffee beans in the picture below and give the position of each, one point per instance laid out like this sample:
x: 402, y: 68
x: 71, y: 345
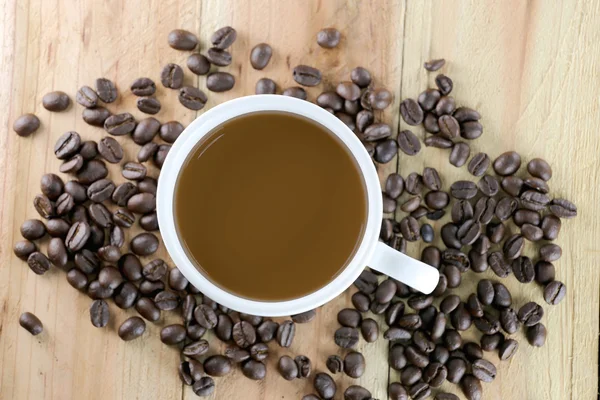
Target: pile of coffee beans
x: 493, y: 220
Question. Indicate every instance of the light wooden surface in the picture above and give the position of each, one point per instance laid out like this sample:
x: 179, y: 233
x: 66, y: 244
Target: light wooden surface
x: 531, y: 69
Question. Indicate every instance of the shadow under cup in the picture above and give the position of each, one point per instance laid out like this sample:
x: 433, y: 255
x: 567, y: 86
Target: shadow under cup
x: 270, y: 206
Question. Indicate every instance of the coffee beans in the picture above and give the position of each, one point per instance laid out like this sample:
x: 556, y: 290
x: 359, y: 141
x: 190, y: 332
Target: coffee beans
x: 563, y: 208
x: 287, y: 368
x: 530, y: 314
x: 31, y: 323
x: 95, y: 116
x: 459, y: 154
x: 307, y: 76
x: 99, y: 313
x: 204, y: 387
x: 67, y: 145
x: 444, y: 84
x: 536, y: 335
x: 260, y: 56
x: 143, y: 87
x: 507, y: 163
x: 479, y: 164
x: 554, y: 292
x: 325, y: 385
x: 171, y: 76
x: 408, y: 142
x: 217, y: 365
x: 26, y: 124
x: 106, y: 90
x: 192, y: 98
x: 471, y: 387
x: 120, y: 124
x: 181, y: 39
x: 411, y: 112
x: 285, y: 333
x: 224, y: 37
x: 148, y: 105
x: 448, y: 126
x: 346, y: 337
x: 377, y: 132
x: 540, y: 169
x: 296, y: 92
x: 218, y: 57
x: 132, y: 328
x: 507, y: 349
x: 523, y: 269
x: 361, y: 77
x: 348, y: 91
x: 385, y: 151
x: 56, y: 101
x: 265, y: 86
x: 328, y: 38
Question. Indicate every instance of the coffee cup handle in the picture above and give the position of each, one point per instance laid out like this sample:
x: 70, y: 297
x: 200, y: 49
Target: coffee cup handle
x: 405, y: 269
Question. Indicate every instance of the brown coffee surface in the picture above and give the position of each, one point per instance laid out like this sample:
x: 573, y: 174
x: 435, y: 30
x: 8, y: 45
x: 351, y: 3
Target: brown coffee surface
x: 270, y: 206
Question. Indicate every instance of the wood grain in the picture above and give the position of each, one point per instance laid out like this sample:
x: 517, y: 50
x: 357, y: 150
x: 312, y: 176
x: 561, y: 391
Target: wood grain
x: 531, y: 69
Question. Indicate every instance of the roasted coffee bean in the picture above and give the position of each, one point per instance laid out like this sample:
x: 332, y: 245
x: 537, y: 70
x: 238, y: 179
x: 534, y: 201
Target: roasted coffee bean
x: 143, y: 87
x: 77, y: 236
x: 530, y: 314
x: 159, y: 159
x: 31, y: 323
x: 411, y: 112
x: 177, y: 280
x: 496, y: 232
x: 172, y: 334
x: 100, y: 215
x: 120, y: 124
x: 260, y: 352
x: 350, y: 317
x: 148, y: 105
x: 441, y: 286
x: 204, y: 387
x: 296, y: 92
x: 356, y: 392
x: 185, y: 373
x: 260, y: 56
x: 445, y: 106
x: 377, y: 132
x: 286, y: 332
x: 550, y: 226
x: 444, y: 84
x: 167, y: 301
x: 67, y: 145
x: 410, y: 375
x: 474, y: 306
x: 117, y: 236
x: 344, y: 337
x: 370, y: 330
x: 133, y: 171
x: 513, y: 246
x: 304, y: 366
x: 194, y: 98
x: 379, y: 308
x: 449, y: 238
x: 453, y: 276
x: 459, y: 154
x: 64, y: 204
x: 224, y: 37
x: 466, y: 114
x: 385, y: 291
x: 95, y: 116
x: 325, y: 385
x: 33, y: 229
x: 446, y: 396
x: 434, y: 65
x: 435, y: 374
x: 351, y: 107
x: 462, y: 211
x: 397, y: 360
x: 540, y: 169
x: 479, y: 164
x: 364, y: 119
x: 218, y: 57
x: 460, y: 318
x: 348, y: 90
x: 468, y: 232
x: 509, y: 320
x: 125, y: 295
x: 196, y: 349
x: 394, y: 185
x: 26, y: 124
x: 427, y: 233
x: 130, y: 266
x: 488, y: 185
x: 395, y: 333
x: 110, y: 150
x: 87, y: 97
x: 287, y: 368
x: 471, y: 387
x: 554, y: 292
x: 491, y: 342
x: 132, y: 328
x: 536, y: 184
x: 536, y: 335
x: 563, y: 208
x: 457, y: 367
x: 72, y: 165
x: 172, y: 76
x: 431, y: 255
x: 409, y: 321
x: 195, y: 332
x: 361, y: 302
x: 217, y: 365
x: 485, y: 292
x: 428, y: 99
x: 438, y: 142
x: 244, y: 334
x: 414, y: 183
x: 99, y: 313
x: 147, y: 309
x: 142, y: 203
x: 471, y: 130
x: 533, y: 200
x: 328, y: 38
x: 420, y: 302
x: 361, y: 77
x: 430, y: 123
x: 523, y: 216
x: 506, y: 207
x: 523, y: 269
x: 88, y: 150
x: 77, y: 279
x: 87, y: 261
x: 507, y: 349
x: 307, y: 76
x: 56, y: 101
x: 51, y: 186
x: 38, y: 263
x: 330, y: 99
x: 408, y: 142
x: 423, y: 342
x: 502, y: 297
x: 23, y: 248
x: 410, y: 229
x: 544, y: 272
x: 366, y: 282
x: 155, y: 270
x: 254, y: 370
x: 507, y: 163
x: 106, y: 90
x: 110, y: 277
x: 100, y: 190
x: 463, y: 190
x: 97, y: 238
x: 146, y: 130
x: 484, y: 210
x: 448, y: 126
x: 488, y: 324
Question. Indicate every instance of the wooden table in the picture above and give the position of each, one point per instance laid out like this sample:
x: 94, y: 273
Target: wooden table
x: 530, y: 68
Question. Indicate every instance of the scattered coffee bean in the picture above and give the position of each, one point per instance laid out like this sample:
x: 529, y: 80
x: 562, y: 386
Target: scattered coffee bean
x: 444, y: 84
x: 26, y: 124
x: 172, y: 76
x: 563, y: 208
x: 507, y: 163
x: 507, y: 349
x: 106, y: 90
x: 224, y: 37
x: 530, y: 314
x: 307, y: 76
x: 218, y: 57
x: 536, y: 335
x: 360, y: 76
x: 217, y: 365
x: 296, y: 92
x: 523, y: 269
x: 31, y: 323
x: 99, y: 313
x: 459, y: 154
x: 132, y: 328
x: 325, y: 385
x: 285, y: 333
x: 471, y: 387
x: 434, y: 65
x: 348, y: 90
x: 56, y: 101
x: 408, y: 142
x: 445, y: 106
x: 328, y: 38
x: 411, y: 112
x: 385, y: 150
x: 377, y: 132
x: 554, y: 292
x: 148, y: 105
x: 540, y: 169
x: 479, y: 164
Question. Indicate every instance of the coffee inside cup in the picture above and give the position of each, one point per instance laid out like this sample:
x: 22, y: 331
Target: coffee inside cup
x: 270, y: 206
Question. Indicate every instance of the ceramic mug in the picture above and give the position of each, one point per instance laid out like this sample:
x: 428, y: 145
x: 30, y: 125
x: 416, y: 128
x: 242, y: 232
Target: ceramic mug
x: 371, y: 252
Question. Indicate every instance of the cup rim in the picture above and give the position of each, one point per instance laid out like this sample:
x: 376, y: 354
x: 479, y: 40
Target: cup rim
x: 203, y: 125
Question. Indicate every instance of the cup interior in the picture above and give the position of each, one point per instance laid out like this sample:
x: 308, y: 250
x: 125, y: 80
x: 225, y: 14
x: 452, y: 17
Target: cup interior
x: 203, y: 126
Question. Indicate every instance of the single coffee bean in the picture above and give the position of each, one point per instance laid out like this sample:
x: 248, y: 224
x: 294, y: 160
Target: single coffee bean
x: 125, y: 295
x: 23, y: 248
x: 397, y: 359
x: 77, y: 236
x: 395, y: 333
x: 509, y: 320
x: 410, y: 229
x: 459, y: 154
x: 349, y: 317
x: 435, y: 374
x: 502, y: 297
x: 57, y: 252
x: 408, y: 142
x: 484, y: 210
x: 110, y: 150
x: 474, y: 306
x: 185, y: 373
x: 444, y: 84
x: 144, y: 244
x: 457, y: 367
x: 488, y: 324
x: 134, y: 171
x: 385, y: 291
x: 155, y: 270
x: 72, y: 165
x: 530, y: 314
x: 87, y: 97
x: 287, y: 368
x: 563, y: 208
x: 461, y: 318
x: 366, y: 282
x: 540, y: 169
x: 410, y: 375
x: 325, y: 385
x: 466, y: 114
x: 217, y: 365
x: 244, y: 334
x: 97, y: 238
x: 31, y: 323
x: 328, y: 38
x: 536, y: 335
x: 446, y: 396
x: 132, y: 328
x: 33, y: 229
x: 95, y: 116
x: 554, y: 292
x: 106, y: 90
x: 462, y: 211
x: 449, y: 127
x: 123, y: 193
x: 394, y: 185
x: 87, y: 261
x: 38, y: 263
x: 370, y: 330
x: 26, y: 124
x: 449, y: 238
x: 463, y: 190
x: 77, y: 279
x: 536, y: 184
x: 344, y: 337
x: 431, y: 255
x: 544, y: 272
x: 506, y: 207
x: 414, y: 183
x: 491, y: 342
x: 260, y: 56
x: 533, y: 200
x: 171, y: 76
x: 361, y: 77
x: 485, y: 292
x: 471, y: 387
x: 260, y: 352
x: 507, y: 163
x: 192, y: 98
x: 120, y: 124
x: 172, y: 334
x: 385, y: 151
x: 427, y: 233
x: 99, y: 313
x: 513, y: 246
x: 148, y: 105
x: 479, y: 164
x: 348, y: 90
x: 445, y: 106
x: 355, y: 392
x: 218, y: 57
x: 204, y: 387
x: 91, y: 172
x: 471, y: 130
x: 428, y: 99
x: 377, y: 132
x: 507, y: 349
x: 254, y: 370
x: 488, y: 185
x: 56, y: 101
x: 523, y: 269
x: 434, y: 65
x: 142, y: 203
x: 67, y: 145
x: 307, y: 76
x: 438, y: 142
x: 110, y: 277
x: 523, y: 216
x: 147, y: 309
x: 100, y: 190
x: 468, y: 232
x: 51, y: 185
x: 224, y: 37
x: 286, y: 332
x: 181, y: 39
x: 411, y: 112
x: 331, y: 99
x: 296, y: 92
x: 143, y: 87
x: 304, y: 366
x: 420, y: 302
x: 550, y: 252
x: 196, y: 349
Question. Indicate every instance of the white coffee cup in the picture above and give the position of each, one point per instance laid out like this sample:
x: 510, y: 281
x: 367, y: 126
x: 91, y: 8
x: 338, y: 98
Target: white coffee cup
x: 371, y: 252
